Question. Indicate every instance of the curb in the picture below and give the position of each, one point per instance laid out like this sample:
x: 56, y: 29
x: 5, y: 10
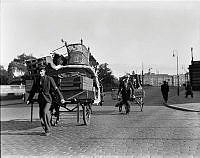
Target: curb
x: 180, y: 108
x: 10, y: 104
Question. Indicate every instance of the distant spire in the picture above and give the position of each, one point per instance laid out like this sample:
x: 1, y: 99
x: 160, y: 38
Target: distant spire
x: 173, y: 53
x: 192, y: 54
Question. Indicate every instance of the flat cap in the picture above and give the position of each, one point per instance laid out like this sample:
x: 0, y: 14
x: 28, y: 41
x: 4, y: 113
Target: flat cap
x: 42, y: 67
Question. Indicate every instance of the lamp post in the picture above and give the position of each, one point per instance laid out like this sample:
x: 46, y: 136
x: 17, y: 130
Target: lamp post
x: 176, y: 69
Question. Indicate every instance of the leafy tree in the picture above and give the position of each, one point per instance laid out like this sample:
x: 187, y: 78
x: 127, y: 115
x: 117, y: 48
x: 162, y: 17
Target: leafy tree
x: 104, y: 72
x: 3, y: 76
x: 106, y: 78
x: 18, y: 64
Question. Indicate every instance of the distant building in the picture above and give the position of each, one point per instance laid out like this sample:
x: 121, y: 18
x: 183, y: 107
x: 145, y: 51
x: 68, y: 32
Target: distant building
x: 183, y: 78
x: 194, y: 72
x: 157, y: 79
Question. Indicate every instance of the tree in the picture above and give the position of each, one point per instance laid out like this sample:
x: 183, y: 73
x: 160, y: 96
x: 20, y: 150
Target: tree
x: 18, y: 64
x: 103, y: 71
x: 106, y: 78
x: 3, y: 76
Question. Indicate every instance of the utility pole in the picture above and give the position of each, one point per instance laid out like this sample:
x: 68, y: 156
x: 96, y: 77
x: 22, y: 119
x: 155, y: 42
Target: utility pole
x: 142, y: 74
x: 177, y: 70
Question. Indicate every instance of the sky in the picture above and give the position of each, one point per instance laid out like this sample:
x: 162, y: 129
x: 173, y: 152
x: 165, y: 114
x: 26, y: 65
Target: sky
x: 128, y: 35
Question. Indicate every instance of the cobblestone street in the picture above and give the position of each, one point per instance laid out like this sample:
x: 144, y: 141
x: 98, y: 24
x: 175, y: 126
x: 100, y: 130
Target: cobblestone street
x: 100, y: 79
x: 157, y: 131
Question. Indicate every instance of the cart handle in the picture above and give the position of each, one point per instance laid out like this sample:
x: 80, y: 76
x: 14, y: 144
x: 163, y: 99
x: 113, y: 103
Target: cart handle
x: 74, y: 100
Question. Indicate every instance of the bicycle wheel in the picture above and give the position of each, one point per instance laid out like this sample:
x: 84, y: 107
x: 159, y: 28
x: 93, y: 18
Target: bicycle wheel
x: 141, y: 104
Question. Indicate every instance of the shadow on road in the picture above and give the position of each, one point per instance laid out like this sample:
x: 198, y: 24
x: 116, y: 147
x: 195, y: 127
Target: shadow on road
x: 14, y: 125
x: 23, y: 133
x: 104, y: 112
x: 112, y: 112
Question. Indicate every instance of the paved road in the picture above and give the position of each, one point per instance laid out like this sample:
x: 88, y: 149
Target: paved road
x: 157, y: 131
x: 153, y: 97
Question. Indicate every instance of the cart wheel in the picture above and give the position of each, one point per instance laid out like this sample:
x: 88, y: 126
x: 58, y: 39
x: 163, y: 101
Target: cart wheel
x: 86, y: 113
x: 142, y: 105
x: 54, y: 119
x: 120, y: 108
x: 55, y: 113
x: 101, y: 103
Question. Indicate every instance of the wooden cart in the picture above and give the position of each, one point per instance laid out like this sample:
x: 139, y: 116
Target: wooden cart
x: 137, y: 95
x: 77, y: 90
x: 76, y: 77
x: 80, y: 99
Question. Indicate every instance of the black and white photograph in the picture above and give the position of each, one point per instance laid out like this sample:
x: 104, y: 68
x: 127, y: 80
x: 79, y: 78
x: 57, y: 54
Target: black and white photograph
x: 100, y: 79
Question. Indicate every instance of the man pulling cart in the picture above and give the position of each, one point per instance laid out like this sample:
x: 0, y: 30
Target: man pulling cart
x: 76, y: 81
x: 44, y: 85
x: 130, y: 90
x: 125, y: 88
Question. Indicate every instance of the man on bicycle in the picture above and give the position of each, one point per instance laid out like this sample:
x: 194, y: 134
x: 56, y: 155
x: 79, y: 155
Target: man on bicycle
x: 125, y: 88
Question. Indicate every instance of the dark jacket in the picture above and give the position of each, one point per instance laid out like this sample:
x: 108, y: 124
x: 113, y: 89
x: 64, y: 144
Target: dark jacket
x: 188, y: 87
x: 125, y: 90
x: 45, y: 88
x: 164, y: 88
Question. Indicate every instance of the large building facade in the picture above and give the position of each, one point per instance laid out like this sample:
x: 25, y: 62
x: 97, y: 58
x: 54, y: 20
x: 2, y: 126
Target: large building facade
x: 157, y: 79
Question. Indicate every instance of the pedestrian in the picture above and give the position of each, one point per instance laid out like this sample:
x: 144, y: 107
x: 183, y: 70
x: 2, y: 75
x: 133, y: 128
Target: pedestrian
x: 188, y: 89
x: 101, y: 94
x: 44, y: 85
x: 165, y: 91
x: 125, y: 88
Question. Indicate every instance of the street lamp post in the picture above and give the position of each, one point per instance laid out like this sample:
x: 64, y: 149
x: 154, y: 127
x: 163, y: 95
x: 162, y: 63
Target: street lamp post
x: 177, y: 70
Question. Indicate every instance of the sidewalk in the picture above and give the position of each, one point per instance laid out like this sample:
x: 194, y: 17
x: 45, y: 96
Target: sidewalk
x: 192, y: 107
x: 12, y: 102
x: 185, y: 104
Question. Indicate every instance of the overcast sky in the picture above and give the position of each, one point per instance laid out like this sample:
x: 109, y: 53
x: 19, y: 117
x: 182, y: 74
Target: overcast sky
x: 123, y: 34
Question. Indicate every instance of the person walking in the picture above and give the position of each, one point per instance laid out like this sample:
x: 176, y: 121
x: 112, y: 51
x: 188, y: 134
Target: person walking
x: 188, y: 89
x: 165, y: 91
x: 125, y: 89
x: 44, y: 85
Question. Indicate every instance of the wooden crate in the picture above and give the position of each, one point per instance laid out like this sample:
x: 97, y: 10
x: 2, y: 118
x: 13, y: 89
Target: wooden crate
x: 76, y: 83
x: 78, y: 94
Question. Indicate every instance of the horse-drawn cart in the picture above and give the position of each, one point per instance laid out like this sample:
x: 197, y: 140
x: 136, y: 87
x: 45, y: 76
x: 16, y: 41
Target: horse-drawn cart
x: 75, y: 76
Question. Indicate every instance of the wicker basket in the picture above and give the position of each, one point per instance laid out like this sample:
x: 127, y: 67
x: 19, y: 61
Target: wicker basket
x: 78, y: 54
